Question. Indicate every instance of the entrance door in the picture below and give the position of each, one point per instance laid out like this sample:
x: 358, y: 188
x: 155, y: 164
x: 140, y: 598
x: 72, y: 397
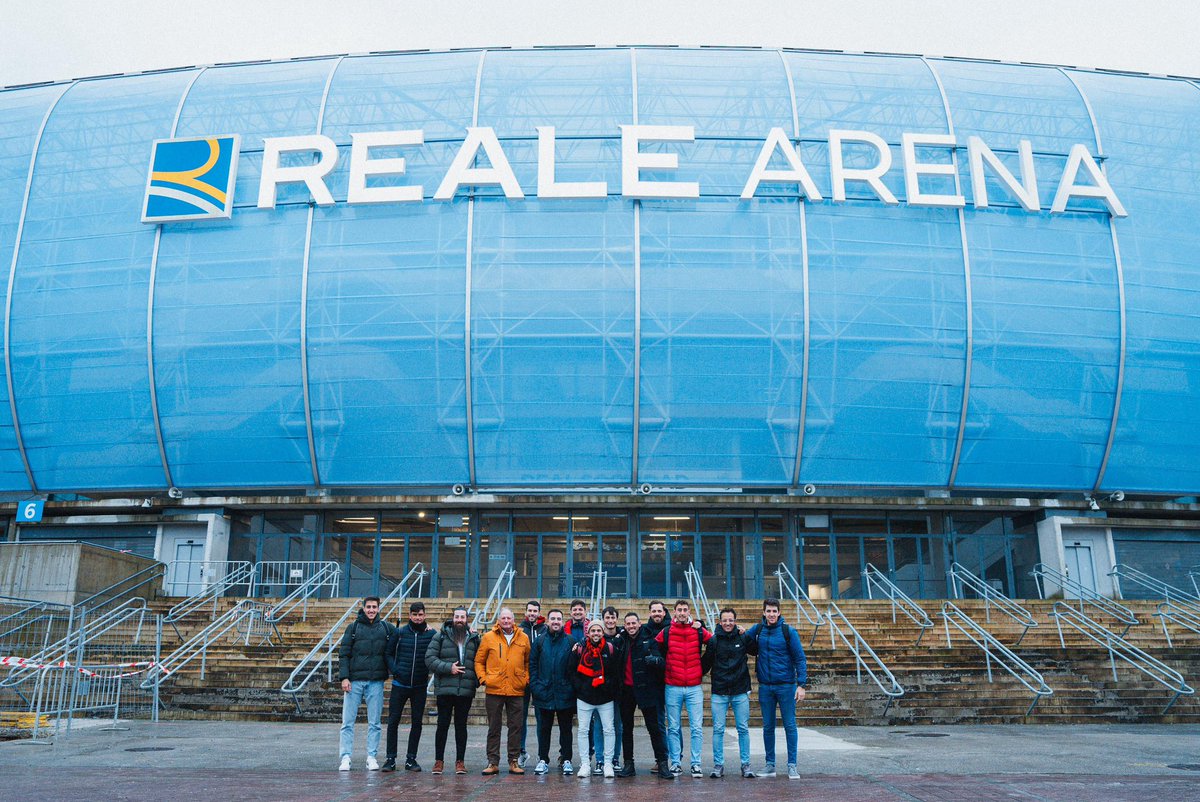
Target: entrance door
x: 1080, y: 566
x: 188, y: 577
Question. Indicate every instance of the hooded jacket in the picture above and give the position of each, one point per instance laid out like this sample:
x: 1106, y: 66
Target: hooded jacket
x: 781, y: 659
x: 680, y: 645
x: 535, y: 630
x: 725, y: 657
x: 646, y: 664
x: 441, y: 656
x: 584, y: 689
x: 576, y: 631
x: 548, y: 669
x: 503, y: 667
x: 362, y: 653
x: 406, y: 654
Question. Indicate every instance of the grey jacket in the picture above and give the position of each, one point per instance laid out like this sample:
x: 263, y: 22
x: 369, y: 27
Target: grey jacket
x: 441, y: 656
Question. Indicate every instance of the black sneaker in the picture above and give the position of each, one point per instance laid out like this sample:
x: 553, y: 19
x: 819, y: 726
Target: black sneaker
x: 696, y: 771
x: 412, y: 765
x: 388, y: 765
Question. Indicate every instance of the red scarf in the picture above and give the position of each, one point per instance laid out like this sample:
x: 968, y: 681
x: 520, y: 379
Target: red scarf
x: 591, y: 663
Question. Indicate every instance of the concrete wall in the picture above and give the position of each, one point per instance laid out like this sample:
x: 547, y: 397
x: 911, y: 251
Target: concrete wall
x: 66, y: 573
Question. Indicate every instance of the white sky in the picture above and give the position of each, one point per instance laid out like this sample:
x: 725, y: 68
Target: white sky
x: 61, y: 39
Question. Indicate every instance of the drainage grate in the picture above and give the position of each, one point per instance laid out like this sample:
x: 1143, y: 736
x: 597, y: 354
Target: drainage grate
x: 151, y: 749
x: 927, y: 735
x: 1184, y: 766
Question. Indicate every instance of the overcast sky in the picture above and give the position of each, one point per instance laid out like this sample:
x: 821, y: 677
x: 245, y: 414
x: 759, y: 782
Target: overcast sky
x: 61, y: 39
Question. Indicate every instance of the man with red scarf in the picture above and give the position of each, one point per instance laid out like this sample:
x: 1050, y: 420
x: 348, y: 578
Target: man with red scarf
x: 592, y: 669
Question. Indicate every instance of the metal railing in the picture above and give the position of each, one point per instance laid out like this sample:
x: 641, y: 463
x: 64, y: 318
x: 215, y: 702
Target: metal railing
x: 501, y: 590
x: 1181, y: 598
x: 321, y: 575
x: 598, y: 598
x: 248, y: 618
x: 290, y: 574
x: 1186, y: 618
x: 119, y: 591
x: 1117, y: 646
x: 707, y: 610
x: 961, y: 578
x: 1084, y: 596
x: 995, y: 651
x: 218, y: 579
x: 789, y: 588
x: 1194, y: 575
x: 874, y: 579
x: 321, y: 655
x: 840, y: 628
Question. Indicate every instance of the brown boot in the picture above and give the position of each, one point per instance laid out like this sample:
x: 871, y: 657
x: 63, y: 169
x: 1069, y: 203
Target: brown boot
x: 438, y: 765
x: 491, y: 769
x: 513, y: 768
x: 460, y: 767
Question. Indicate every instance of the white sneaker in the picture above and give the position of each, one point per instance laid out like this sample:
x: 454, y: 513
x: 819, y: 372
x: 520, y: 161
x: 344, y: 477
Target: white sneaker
x: 345, y: 764
x: 522, y: 759
x: 584, y: 771
x: 542, y: 767
x: 792, y: 773
x: 608, y: 771
x: 372, y: 764
x: 567, y: 768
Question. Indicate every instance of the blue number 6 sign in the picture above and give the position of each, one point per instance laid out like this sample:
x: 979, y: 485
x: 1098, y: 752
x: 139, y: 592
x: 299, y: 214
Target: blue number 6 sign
x: 30, y: 511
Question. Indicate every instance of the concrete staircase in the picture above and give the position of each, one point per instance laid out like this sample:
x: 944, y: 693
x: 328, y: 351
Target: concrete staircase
x: 943, y: 684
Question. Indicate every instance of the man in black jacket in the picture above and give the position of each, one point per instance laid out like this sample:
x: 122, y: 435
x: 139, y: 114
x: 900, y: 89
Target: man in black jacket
x: 534, y: 626
x: 640, y: 685
x: 362, y: 668
x: 406, y: 663
x: 591, y: 669
x: 726, y: 659
x: 553, y: 698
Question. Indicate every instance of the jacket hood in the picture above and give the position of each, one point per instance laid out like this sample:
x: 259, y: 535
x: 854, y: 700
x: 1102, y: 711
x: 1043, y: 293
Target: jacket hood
x: 541, y: 620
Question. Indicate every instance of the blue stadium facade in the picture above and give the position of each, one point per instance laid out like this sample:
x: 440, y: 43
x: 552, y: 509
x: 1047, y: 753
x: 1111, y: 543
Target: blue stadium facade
x: 310, y: 372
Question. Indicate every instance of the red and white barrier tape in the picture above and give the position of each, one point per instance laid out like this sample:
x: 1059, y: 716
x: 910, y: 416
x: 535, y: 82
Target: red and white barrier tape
x: 23, y: 662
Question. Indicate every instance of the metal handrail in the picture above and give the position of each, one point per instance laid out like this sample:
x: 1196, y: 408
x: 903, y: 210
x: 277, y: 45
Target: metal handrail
x: 246, y: 614
x: 291, y: 572
x: 236, y: 573
x: 501, y: 590
x: 1194, y: 575
x: 147, y: 575
x: 1084, y: 595
x: 993, y: 649
x: 874, y: 579
x: 705, y: 608
x: 858, y: 646
x: 91, y: 630
x: 1117, y: 646
x: 1186, y: 618
x: 414, y: 579
x: 327, y: 574
x: 598, y: 599
x: 960, y: 576
x: 789, y: 587
x: 1180, y: 598
x: 28, y: 605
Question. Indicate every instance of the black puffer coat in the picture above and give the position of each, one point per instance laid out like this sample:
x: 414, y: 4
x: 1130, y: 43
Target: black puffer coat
x: 647, y: 666
x: 406, y: 654
x: 362, y: 654
x: 548, y: 671
x: 726, y: 659
x: 441, y: 656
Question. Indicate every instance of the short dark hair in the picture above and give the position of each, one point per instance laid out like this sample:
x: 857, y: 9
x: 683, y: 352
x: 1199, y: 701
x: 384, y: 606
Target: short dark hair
x: 632, y: 613
x: 654, y: 602
x: 684, y: 602
x: 416, y: 607
x: 770, y: 603
x: 610, y: 609
x: 727, y: 610
x: 459, y: 607
x: 370, y: 599
x: 534, y: 603
x: 552, y: 612
x: 578, y: 603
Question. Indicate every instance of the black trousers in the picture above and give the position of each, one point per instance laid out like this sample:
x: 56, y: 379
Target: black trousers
x: 456, y: 707
x: 651, y: 716
x: 415, y: 698
x: 545, y: 721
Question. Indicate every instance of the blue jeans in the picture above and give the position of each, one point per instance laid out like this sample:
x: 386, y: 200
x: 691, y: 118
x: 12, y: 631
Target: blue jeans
x: 785, y: 697
x: 598, y: 743
x: 677, y: 697
x: 741, y: 719
x: 370, y: 691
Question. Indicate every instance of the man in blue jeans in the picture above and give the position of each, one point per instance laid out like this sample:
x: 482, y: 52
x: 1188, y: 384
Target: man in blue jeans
x: 362, y: 668
x: 681, y: 645
x: 782, y: 672
x: 725, y: 658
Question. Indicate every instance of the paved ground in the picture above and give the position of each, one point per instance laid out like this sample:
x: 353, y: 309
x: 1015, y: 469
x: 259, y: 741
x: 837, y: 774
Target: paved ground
x: 252, y: 761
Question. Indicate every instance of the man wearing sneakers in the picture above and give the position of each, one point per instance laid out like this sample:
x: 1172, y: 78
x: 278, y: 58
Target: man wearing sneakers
x: 362, y: 668
x: 782, y: 672
x: 681, y: 644
x: 553, y: 696
x: 592, y: 669
x: 410, y: 678
x: 534, y: 627
x: 726, y: 659
x: 451, y: 659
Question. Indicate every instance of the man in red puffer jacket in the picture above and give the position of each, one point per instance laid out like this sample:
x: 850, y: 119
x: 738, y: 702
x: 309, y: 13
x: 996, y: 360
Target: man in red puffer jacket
x: 681, y: 645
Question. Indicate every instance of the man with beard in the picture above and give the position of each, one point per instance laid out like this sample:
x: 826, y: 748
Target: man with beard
x: 406, y: 663
x: 552, y: 697
x: 657, y: 615
x: 451, y: 658
x: 640, y: 669
x: 534, y: 627
x: 362, y: 668
x: 681, y: 645
x: 502, y: 664
x: 726, y: 659
x: 591, y: 668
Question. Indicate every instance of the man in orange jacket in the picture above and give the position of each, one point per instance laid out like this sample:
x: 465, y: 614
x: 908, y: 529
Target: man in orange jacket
x: 502, y: 665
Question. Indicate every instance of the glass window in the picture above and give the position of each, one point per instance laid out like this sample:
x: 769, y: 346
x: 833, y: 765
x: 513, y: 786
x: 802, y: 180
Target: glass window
x: 353, y: 522
x: 591, y: 522
x: 405, y: 521
x: 614, y: 553
x: 815, y: 574
x: 727, y: 523
x: 652, y: 547
x: 848, y: 524
x: 585, y: 558
x: 527, y: 583
x: 849, y: 568
x: 554, y: 566
x: 451, y: 574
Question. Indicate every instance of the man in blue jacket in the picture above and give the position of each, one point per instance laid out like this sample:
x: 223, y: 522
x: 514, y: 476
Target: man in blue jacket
x: 782, y: 672
x: 553, y: 696
x: 406, y: 663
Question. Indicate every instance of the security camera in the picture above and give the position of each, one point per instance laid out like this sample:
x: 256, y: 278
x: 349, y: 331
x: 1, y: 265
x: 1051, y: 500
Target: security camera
x: 1092, y: 503
x: 458, y: 490
x: 646, y: 489
x: 810, y: 490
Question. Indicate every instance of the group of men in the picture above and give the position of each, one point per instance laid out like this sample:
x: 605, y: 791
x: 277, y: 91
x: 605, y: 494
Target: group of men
x: 568, y: 667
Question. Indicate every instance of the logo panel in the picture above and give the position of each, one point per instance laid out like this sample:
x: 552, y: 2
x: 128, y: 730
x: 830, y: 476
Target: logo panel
x: 191, y: 179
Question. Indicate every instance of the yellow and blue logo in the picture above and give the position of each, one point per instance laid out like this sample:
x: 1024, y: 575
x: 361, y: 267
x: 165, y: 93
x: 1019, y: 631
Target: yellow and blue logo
x: 191, y: 179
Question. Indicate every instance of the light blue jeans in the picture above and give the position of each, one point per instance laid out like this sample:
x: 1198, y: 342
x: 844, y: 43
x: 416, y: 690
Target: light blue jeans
x: 370, y: 691
x: 677, y: 697
x: 769, y: 696
x: 741, y: 719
